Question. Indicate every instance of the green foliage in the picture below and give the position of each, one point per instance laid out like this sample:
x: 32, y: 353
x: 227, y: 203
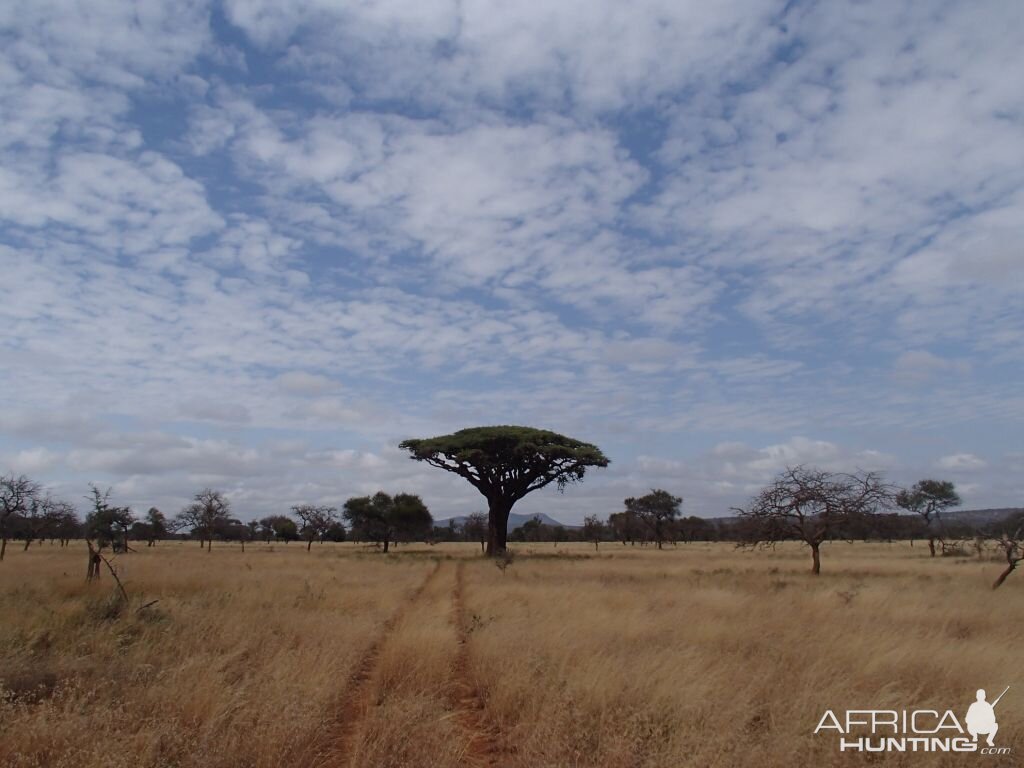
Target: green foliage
x: 929, y: 498
x: 505, y: 463
x: 624, y: 526
x: 335, y: 532
x: 519, y: 459
x: 534, y: 530
x: 157, y: 522
x: 106, y: 523
x: 282, y: 528
x: 657, y: 511
x: 384, y: 518
x: 593, y: 528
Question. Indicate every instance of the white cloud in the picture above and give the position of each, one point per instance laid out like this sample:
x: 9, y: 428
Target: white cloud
x: 665, y: 228
x: 919, y: 365
x: 961, y: 462
x: 303, y: 383
x: 29, y: 461
x: 587, y: 55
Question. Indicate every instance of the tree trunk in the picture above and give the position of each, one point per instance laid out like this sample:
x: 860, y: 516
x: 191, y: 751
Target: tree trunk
x: 209, y: 545
x: 931, y: 545
x: 1002, y: 576
x: 309, y: 545
x: 816, y: 557
x: 386, y: 542
x: 243, y: 546
x: 28, y: 541
x: 595, y: 546
x: 3, y: 546
x: 498, y: 510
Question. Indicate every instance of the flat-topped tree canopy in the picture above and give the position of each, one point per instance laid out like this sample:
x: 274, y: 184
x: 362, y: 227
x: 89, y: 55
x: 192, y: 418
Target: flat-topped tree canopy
x: 505, y: 463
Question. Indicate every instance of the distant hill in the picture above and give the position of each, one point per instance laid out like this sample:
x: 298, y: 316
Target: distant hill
x: 973, y: 517
x: 982, y: 516
x: 514, y: 521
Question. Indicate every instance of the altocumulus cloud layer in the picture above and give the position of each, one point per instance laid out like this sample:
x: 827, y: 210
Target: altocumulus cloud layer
x: 254, y: 244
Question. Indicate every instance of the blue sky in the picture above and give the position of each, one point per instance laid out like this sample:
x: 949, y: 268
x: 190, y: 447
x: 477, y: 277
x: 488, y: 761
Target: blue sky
x: 255, y: 244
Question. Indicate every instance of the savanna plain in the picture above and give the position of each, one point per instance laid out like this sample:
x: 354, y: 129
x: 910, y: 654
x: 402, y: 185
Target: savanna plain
x: 696, y: 655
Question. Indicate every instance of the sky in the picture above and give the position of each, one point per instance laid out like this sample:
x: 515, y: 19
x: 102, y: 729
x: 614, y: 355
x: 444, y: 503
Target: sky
x: 253, y: 245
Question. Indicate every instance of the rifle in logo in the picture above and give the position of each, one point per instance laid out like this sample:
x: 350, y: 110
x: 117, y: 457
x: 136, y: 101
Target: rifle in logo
x: 981, y: 717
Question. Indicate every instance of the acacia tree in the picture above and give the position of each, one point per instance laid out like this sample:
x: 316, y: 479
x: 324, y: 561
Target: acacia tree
x: 383, y: 518
x: 156, y: 526
x: 279, y: 527
x: 316, y: 521
x: 812, y: 505
x: 929, y: 499
x: 593, y: 530
x: 625, y: 527
x: 208, y: 513
x: 233, y: 529
x: 505, y: 463
x: 108, y: 524
x: 657, y: 511
x: 16, y: 496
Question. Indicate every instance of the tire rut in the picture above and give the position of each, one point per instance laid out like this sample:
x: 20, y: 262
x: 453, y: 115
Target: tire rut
x: 481, y: 736
x: 358, y: 698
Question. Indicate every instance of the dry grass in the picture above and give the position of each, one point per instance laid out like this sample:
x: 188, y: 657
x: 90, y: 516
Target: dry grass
x: 695, y: 656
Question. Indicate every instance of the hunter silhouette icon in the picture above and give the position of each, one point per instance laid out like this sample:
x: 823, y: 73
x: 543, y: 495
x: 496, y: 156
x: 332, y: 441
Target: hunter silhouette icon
x: 981, y: 717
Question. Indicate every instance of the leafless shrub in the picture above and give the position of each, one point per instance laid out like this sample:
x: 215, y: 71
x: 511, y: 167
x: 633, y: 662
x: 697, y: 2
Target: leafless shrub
x: 1011, y: 547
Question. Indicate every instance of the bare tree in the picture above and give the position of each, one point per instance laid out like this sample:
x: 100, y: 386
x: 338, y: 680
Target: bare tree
x: 316, y: 521
x: 66, y: 525
x: 16, y: 497
x: 44, y: 516
x: 207, y: 514
x: 106, y: 523
x: 1011, y: 546
x: 929, y: 498
x: 812, y: 506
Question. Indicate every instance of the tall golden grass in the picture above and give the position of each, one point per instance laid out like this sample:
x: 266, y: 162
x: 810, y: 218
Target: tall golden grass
x: 697, y: 655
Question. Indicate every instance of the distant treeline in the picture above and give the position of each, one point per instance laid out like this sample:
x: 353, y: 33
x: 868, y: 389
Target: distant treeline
x: 627, y: 529
x: 28, y: 514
